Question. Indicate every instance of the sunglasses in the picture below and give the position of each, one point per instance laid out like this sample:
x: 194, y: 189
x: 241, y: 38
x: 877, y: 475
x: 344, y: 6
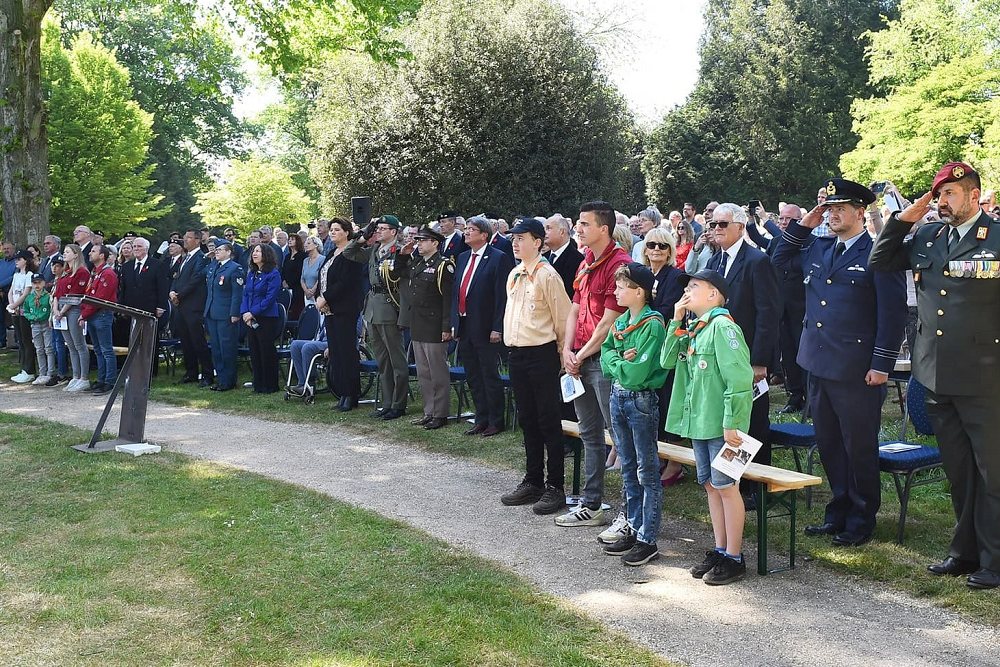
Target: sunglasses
x: 653, y: 245
x: 229, y: 236
x: 722, y: 224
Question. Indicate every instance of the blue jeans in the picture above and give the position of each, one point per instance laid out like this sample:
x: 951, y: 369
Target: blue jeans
x: 59, y: 347
x: 634, y: 418
x: 593, y: 415
x: 302, y: 353
x: 99, y: 328
x: 705, y: 452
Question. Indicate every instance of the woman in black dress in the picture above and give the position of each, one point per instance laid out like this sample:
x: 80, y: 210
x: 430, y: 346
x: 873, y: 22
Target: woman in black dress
x: 341, y: 284
x: 291, y: 275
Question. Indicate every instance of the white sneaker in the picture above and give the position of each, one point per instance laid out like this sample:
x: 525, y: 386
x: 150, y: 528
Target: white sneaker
x: 581, y: 515
x: 78, y: 385
x: 618, y: 529
x: 41, y: 379
x: 22, y: 378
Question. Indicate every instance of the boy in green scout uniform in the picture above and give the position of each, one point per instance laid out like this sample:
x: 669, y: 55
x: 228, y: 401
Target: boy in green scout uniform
x: 711, y: 400
x: 630, y: 357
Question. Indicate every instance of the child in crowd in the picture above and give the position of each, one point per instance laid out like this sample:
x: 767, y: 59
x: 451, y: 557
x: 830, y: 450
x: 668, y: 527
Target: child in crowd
x: 37, y: 310
x: 60, y: 375
x: 711, y: 400
x: 630, y: 357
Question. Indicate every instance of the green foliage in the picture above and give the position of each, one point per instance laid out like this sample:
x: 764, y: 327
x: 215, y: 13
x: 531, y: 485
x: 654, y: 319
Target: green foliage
x: 285, y: 139
x: 185, y: 72
x: 940, y: 63
x: 770, y: 114
x: 253, y: 193
x: 502, y: 107
x: 98, y: 139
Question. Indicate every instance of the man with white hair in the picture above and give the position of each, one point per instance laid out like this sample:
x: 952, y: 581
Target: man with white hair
x: 143, y: 281
x: 563, y: 254
x: 83, y: 237
x: 648, y: 219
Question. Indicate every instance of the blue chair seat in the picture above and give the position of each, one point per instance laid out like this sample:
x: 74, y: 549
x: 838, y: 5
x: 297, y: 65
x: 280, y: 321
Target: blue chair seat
x: 909, y: 460
x: 793, y: 434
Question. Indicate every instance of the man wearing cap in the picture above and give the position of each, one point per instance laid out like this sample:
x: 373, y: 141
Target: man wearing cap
x: 956, y: 354
x: 533, y: 329
x: 427, y: 281
x: 382, y: 311
x: 853, y: 327
x: 454, y: 241
x: 224, y: 282
x: 755, y: 305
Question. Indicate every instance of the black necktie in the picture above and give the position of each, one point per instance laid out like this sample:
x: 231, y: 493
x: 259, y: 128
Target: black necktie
x: 954, y: 239
x: 841, y: 247
x: 723, y: 263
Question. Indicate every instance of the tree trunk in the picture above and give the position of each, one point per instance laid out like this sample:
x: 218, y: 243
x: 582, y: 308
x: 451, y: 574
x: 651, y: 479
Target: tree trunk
x: 24, y: 155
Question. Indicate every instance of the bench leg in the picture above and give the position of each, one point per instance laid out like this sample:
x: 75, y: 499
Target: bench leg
x: 762, y: 498
x: 791, y: 535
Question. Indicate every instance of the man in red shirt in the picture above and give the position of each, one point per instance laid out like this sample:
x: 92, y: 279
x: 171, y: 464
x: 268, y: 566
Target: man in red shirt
x: 103, y: 285
x: 590, y: 318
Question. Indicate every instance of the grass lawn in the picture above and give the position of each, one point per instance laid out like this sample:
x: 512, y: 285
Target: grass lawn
x: 929, y: 520
x: 114, y: 560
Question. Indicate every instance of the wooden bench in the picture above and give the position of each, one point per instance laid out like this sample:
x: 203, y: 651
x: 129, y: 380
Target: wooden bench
x: 777, y: 489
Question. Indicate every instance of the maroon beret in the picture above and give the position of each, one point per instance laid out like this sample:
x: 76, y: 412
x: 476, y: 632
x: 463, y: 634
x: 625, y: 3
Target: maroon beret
x: 950, y: 173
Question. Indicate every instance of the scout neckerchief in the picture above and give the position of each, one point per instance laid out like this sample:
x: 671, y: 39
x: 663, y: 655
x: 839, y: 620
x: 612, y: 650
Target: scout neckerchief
x: 702, y: 322
x: 586, y: 269
x: 620, y: 335
x: 530, y: 276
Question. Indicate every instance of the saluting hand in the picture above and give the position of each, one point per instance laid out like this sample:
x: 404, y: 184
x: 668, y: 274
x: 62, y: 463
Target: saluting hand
x: 917, y: 210
x: 814, y: 218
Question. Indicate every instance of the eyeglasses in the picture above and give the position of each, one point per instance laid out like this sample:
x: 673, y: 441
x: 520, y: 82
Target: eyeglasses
x: 653, y: 245
x: 383, y: 228
x: 229, y: 236
x: 723, y: 224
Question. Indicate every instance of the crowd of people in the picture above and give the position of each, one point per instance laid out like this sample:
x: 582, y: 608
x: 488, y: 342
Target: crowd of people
x: 667, y: 322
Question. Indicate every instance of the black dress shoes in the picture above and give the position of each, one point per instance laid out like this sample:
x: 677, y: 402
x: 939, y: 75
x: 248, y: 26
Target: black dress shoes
x: 476, y: 430
x: 822, y: 529
x: 491, y: 431
x: 186, y: 379
x: 391, y: 414
x: 420, y: 421
x: 847, y: 539
x: 953, y: 567
x: 204, y: 384
x: 377, y: 414
x: 791, y: 407
x: 984, y: 579
x: 436, y: 423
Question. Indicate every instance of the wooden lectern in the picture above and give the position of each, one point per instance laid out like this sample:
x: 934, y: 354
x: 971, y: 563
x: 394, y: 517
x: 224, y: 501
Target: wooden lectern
x: 134, y: 377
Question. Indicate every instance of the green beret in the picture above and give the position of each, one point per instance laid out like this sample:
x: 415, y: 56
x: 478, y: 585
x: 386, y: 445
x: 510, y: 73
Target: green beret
x: 390, y: 220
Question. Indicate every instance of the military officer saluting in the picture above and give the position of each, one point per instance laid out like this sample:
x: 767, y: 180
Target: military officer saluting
x: 427, y: 278
x: 956, y: 354
x: 851, y: 335
x: 224, y: 280
x: 382, y: 310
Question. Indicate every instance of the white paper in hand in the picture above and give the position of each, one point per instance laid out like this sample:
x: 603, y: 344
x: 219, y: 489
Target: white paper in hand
x: 760, y: 389
x: 571, y: 387
x: 732, y: 461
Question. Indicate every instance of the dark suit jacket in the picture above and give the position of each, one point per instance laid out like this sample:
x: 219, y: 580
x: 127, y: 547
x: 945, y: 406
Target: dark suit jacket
x: 567, y: 264
x: 345, y: 290
x: 667, y: 291
x: 146, y: 290
x: 455, y: 247
x: 793, y: 292
x: 754, y: 301
x: 500, y: 243
x: 487, y: 296
x: 190, y: 285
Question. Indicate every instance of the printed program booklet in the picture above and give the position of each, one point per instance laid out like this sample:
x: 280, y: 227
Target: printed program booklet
x: 732, y: 461
x: 571, y: 387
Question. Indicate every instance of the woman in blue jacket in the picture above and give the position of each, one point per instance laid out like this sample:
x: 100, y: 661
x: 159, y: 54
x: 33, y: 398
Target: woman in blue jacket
x: 262, y: 317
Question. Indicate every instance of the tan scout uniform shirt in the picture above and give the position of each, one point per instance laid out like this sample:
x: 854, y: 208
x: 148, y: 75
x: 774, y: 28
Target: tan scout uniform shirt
x: 537, y: 305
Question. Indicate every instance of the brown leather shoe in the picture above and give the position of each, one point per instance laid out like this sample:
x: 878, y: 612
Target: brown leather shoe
x: 491, y: 431
x: 436, y: 423
x: 420, y: 421
x: 476, y: 430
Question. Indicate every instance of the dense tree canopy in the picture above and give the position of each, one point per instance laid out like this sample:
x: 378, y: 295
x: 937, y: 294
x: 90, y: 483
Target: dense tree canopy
x: 501, y: 107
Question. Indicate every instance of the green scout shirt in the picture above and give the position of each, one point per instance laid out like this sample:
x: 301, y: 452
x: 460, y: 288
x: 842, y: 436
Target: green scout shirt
x: 41, y: 311
x: 645, y: 371
x: 713, y: 385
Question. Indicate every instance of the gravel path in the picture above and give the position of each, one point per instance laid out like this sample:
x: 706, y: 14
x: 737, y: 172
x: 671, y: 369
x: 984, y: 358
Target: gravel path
x: 806, y: 617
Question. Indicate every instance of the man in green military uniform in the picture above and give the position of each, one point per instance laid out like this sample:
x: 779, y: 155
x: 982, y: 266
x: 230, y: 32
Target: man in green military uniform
x: 956, y: 354
x: 382, y: 311
x: 427, y: 280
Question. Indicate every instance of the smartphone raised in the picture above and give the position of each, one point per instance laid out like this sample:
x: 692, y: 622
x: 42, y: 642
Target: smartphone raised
x: 753, y: 206
x: 878, y: 187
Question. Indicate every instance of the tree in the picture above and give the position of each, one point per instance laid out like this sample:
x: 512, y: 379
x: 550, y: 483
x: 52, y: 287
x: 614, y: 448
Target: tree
x: 509, y: 113
x: 98, y: 139
x: 254, y: 193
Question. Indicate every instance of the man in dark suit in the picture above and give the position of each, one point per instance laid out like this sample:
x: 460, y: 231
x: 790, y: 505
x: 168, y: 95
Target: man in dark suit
x: 143, y: 281
x: 956, y: 354
x: 454, y: 241
x: 562, y: 253
x: 477, y: 310
x: 187, y: 295
x: 497, y: 240
x: 851, y: 336
x: 755, y: 305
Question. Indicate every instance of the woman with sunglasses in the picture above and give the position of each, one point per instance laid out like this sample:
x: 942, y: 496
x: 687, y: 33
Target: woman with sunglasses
x: 660, y: 256
x: 685, y: 241
x: 291, y: 275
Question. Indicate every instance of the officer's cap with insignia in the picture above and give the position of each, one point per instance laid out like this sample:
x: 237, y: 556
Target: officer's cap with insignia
x: 427, y: 232
x: 843, y: 191
x: 220, y: 243
x: 951, y: 172
x: 390, y: 220
x: 447, y: 215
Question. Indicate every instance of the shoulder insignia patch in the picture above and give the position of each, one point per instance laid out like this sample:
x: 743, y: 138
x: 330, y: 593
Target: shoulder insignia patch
x: 735, y: 344
x: 239, y: 281
x: 450, y: 267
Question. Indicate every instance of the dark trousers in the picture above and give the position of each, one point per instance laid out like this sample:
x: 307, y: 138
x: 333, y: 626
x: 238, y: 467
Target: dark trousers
x: 344, y: 362
x: 663, y: 398
x: 263, y: 354
x: 847, y: 416
x: 25, y: 349
x: 760, y: 429
x: 194, y: 345
x: 481, y: 360
x: 789, y: 334
x: 966, y: 428
x: 534, y: 377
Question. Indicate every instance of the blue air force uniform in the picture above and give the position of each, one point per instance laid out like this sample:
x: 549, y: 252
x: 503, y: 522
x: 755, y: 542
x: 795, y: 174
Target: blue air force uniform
x: 224, y: 284
x: 854, y: 319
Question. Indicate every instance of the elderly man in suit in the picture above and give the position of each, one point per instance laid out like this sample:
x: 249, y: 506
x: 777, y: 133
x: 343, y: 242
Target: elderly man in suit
x: 851, y: 335
x: 477, y: 321
x: 755, y: 305
x: 956, y: 354
x: 563, y: 254
x: 187, y: 295
x: 454, y: 240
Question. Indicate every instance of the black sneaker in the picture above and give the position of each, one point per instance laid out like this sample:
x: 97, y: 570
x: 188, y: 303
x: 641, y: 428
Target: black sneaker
x: 640, y: 554
x: 711, y: 560
x: 726, y: 571
x: 621, y: 547
x: 525, y: 494
x: 553, y: 500
x: 53, y: 381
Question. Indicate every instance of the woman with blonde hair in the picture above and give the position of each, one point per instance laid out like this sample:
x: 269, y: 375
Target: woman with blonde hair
x: 69, y: 291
